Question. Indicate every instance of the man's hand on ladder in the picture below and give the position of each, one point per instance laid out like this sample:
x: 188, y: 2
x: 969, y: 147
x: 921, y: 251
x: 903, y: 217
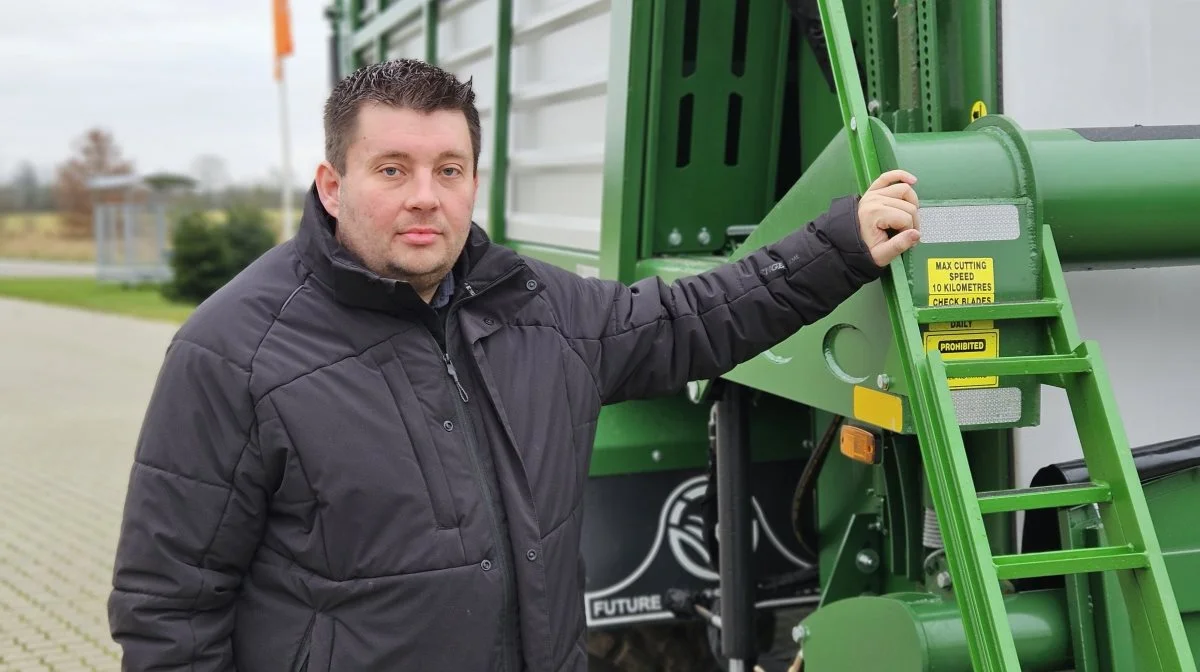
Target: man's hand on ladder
x: 887, y: 216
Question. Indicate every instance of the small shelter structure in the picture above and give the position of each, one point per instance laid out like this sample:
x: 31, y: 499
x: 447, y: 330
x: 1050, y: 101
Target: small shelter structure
x: 131, y: 229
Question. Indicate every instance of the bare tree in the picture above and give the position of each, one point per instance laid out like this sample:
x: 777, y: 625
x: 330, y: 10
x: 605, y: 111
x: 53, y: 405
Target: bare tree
x: 97, y: 154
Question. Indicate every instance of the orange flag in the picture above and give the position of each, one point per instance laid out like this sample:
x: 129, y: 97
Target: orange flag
x: 283, y: 35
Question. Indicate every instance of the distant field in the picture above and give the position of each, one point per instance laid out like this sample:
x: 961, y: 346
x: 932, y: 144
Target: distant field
x: 37, y: 236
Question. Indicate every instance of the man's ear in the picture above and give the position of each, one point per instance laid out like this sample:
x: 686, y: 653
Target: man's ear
x: 328, y: 182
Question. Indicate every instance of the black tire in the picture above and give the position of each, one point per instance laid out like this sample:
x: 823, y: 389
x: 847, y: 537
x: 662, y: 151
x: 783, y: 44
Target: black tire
x: 660, y: 647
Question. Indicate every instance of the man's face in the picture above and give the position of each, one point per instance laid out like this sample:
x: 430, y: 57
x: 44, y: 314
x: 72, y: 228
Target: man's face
x: 404, y: 203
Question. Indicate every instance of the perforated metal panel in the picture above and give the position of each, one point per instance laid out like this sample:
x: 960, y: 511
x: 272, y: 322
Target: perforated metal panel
x: 999, y: 405
x: 969, y: 223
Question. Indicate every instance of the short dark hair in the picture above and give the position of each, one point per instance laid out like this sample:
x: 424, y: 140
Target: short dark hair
x: 403, y: 83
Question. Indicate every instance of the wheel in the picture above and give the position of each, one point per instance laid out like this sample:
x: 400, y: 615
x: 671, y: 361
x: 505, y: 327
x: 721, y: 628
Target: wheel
x: 660, y: 647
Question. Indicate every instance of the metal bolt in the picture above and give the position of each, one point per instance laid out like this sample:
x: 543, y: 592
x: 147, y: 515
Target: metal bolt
x: 853, y: 123
x: 884, y: 381
x: 704, y: 236
x: 866, y: 561
x: 656, y: 456
x: 799, y: 633
x: 675, y: 238
x: 943, y: 580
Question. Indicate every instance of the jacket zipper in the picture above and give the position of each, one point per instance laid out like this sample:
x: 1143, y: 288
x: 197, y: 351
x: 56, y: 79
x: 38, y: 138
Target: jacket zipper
x: 464, y: 421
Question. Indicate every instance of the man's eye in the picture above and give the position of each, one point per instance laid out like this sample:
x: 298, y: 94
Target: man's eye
x: 391, y: 172
x: 450, y: 171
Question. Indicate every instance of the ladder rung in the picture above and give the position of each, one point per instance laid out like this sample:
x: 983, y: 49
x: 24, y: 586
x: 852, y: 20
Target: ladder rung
x: 1046, y: 497
x: 1072, y: 561
x: 1037, y: 365
x: 1014, y: 310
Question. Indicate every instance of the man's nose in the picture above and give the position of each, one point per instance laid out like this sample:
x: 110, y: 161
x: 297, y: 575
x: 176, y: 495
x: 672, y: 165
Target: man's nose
x: 422, y: 194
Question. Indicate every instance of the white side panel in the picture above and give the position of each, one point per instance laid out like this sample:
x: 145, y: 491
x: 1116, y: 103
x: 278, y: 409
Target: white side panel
x: 557, y: 121
x: 368, y: 55
x: 407, y: 40
x: 466, y: 47
x: 1078, y: 63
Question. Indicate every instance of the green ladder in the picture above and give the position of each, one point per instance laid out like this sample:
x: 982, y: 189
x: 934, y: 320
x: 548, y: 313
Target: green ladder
x: 1073, y: 364
x: 1076, y: 366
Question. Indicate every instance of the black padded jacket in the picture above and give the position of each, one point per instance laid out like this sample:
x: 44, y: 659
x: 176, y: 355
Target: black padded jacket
x: 331, y: 473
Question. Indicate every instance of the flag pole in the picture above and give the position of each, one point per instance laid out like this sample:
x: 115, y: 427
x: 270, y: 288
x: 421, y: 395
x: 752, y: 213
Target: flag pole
x: 283, y: 47
x: 286, y: 172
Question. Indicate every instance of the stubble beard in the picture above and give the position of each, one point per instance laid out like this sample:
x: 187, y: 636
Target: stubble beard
x: 377, y: 256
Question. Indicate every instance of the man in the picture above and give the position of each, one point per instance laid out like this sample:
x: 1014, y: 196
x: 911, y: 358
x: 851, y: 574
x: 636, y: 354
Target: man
x: 368, y: 451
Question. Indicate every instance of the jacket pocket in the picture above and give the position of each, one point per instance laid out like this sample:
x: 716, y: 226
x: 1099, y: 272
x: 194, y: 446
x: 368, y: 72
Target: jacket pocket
x: 300, y: 662
x: 316, y: 649
x: 420, y: 443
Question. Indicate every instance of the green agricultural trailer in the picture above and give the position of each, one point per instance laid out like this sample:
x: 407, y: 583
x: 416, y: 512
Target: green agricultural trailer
x: 937, y: 476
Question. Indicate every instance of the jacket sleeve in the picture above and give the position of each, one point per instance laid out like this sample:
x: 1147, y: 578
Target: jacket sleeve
x: 193, y: 515
x: 651, y: 338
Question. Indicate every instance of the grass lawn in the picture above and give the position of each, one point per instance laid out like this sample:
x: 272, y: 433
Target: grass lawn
x: 142, y: 301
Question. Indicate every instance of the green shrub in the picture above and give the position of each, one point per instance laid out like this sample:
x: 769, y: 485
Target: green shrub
x: 206, y: 255
x: 248, y: 234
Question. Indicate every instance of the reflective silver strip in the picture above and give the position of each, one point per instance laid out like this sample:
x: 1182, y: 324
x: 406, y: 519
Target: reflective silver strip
x: 969, y: 223
x: 989, y: 406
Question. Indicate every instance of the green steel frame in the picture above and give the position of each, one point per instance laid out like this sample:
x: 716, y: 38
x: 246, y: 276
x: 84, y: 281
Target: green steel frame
x: 798, y: 140
x: 1073, y: 364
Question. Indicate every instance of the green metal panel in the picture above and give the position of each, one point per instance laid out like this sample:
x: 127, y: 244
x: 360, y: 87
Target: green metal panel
x: 819, y: 117
x: 968, y: 50
x: 929, y: 59
x: 715, y: 92
x: 920, y: 632
x: 672, y: 433
x: 844, y: 494
x: 1130, y: 199
x: 431, y: 32
x: 992, y: 162
x: 990, y: 456
x: 1102, y: 622
x: 649, y: 436
x: 855, y: 569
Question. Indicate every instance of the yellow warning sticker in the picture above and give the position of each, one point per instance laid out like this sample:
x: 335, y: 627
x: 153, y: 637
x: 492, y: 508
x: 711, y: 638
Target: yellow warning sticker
x: 969, y: 325
x: 961, y: 344
x: 979, y: 109
x: 961, y: 282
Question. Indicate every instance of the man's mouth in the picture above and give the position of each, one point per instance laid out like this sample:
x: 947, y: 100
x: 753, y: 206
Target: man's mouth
x: 419, y: 236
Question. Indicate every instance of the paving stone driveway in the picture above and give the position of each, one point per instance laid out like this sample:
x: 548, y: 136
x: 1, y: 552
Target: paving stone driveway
x: 73, y: 387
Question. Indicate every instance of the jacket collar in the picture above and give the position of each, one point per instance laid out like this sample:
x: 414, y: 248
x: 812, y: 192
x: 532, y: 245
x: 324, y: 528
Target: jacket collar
x: 481, y: 264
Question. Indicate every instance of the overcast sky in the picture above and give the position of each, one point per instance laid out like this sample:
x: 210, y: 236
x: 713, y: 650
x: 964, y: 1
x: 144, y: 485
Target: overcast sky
x: 171, y: 79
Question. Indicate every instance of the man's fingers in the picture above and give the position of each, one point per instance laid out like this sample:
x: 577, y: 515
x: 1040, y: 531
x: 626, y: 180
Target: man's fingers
x: 893, y: 247
x: 898, y: 203
x: 900, y: 191
x: 891, y: 177
x: 894, y: 215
